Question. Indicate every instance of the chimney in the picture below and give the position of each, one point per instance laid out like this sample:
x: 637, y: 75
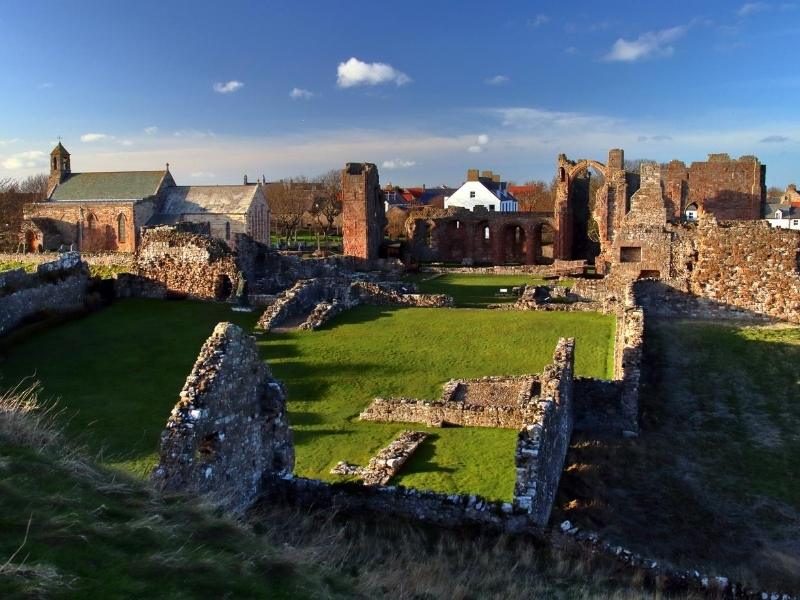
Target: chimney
x: 496, y: 178
x: 487, y: 174
x: 245, y: 178
x: 472, y: 174
x: 423, y: 187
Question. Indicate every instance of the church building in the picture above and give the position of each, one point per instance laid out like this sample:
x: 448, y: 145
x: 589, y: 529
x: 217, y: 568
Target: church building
x: 105, y: 211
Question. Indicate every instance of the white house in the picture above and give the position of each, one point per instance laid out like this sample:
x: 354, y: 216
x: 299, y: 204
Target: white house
x: 691, y: 212
x: 783, y: 216
x: 485, y: 190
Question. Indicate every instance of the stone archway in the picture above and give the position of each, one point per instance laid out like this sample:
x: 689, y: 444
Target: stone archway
x: 514, y: 243
x: 572, y: 214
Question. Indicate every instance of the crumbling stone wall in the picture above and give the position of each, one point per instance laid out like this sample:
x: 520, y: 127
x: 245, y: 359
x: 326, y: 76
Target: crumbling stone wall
x: 229, y: 428
x: 59, y: 286
x: 363, y: 218
x: 190, y: 264
x: 543, y: 442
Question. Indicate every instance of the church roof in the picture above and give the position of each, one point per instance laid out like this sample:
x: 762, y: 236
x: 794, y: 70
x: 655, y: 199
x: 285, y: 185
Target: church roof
x: 120, y: 185
x: 198, y: 199
x: 59, y: 149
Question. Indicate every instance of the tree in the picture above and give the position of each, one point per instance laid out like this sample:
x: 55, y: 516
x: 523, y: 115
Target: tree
x: 396, y: 222
x: 35, y: 184
x: 774, y: 193
x: 536, y: 196
x: 327, y: 203
x: 634, y: 165
x: 287, y: 203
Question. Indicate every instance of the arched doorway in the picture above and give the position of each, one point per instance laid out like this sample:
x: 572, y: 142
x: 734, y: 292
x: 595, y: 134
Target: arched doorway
x: 223, y: 287
x: 515, y: 244
x: 546, y: 234
x: 30, y: 241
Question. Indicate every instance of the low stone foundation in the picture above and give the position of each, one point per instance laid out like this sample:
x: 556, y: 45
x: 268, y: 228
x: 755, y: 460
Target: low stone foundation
x: 57, y: 287
x: 388, y: 462
x: 500, y: 402
x: 318, y: 300
x: 229, y: 428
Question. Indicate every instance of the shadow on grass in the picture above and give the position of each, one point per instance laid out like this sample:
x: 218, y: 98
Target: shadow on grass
x: 424, y: 459
x: 305, y: 436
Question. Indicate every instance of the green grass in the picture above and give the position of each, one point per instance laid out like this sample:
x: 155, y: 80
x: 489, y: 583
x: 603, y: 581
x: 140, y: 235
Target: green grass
x: 474, y: 291
x: 10, y: 265
x: 118, y: 373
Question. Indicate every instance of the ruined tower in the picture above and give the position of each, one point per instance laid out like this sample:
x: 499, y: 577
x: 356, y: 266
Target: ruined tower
x: 59, y: 167
x: 363, y: 217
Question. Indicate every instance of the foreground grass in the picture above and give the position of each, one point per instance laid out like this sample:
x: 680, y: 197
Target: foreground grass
x: 118, y: 372
x: 714, y: 478
x: 73, y: 530
x: 335, y: 372
x: 474, y: 291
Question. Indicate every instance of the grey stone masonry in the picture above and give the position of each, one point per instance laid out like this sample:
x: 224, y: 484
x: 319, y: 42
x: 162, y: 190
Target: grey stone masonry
x: 57, y: 287
x: 543, y: 442
x: 388, y: 462
x: 229, y: 428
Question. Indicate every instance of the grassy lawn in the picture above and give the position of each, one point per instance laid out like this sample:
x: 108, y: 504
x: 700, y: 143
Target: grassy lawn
x: 714, y: 478
x: 473, y: 291
x: 102, y: 271
x: 118, y: 372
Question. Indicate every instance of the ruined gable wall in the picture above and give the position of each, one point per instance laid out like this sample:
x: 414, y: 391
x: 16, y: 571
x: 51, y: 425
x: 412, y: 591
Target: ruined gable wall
x: 229, y: 428
x: 58, y: 287
x: 542, y: 444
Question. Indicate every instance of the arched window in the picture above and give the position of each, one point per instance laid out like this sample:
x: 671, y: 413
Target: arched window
x: 227, y: 230
x: 91, y: 221
x: 486, y: 233
x: 122, y: 228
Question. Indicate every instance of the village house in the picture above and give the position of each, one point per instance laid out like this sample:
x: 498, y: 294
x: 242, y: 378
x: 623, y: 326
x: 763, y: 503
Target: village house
x: 485, y: 190
x: 783, y: 216
x: 105, y: 211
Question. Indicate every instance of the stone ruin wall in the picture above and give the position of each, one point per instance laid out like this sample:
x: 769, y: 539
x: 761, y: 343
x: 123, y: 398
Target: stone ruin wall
x: 57, y: 287
x: 182, y: 263
x: 542, y: 444
x: 229, y: 428
x: 363, y: 218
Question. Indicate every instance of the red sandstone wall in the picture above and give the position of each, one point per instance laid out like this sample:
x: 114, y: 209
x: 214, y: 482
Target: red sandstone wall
x: 363, y: 218
x: 728, y: 189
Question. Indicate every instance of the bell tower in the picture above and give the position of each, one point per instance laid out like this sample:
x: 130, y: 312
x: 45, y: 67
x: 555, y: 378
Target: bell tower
x: 59, y: 167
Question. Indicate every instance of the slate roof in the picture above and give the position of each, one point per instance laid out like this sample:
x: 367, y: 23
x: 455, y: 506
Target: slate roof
x: 120, y: 185
x: 788, y: 210
x: 194, y: 199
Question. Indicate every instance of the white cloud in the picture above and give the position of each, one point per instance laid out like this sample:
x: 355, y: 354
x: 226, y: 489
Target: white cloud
x: 25, y: 160
x: 228, y: 87
x: 356, y: 72
x: 300, y: 94
x: 126, y: 142
x: 538, y: 21
x: 537, y: 119
x: 8, y: 142
x: 752, y: 8
x: 482, y: 140
x: 398, y: 163
x: 202, y: 175
x: 648, y: 45
x: 95, y: 137
x: 496, y: 80
x: 152, y: 130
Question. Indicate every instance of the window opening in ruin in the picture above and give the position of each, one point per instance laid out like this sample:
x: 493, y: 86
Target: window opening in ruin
x: 458, y: 224
x: 122, y: 228
x: 486, y: 233
x: 517, y: 234
x: 91, y: 221
x: 227, y: 230
x: 629, y: 254
x: 649, y: 274
x: 223, y: 287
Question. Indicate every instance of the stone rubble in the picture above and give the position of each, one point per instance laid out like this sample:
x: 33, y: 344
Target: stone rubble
x: 388, y: 462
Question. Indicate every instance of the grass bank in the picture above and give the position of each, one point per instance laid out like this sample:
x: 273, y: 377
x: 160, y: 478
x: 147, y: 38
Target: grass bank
x: 474, y: 291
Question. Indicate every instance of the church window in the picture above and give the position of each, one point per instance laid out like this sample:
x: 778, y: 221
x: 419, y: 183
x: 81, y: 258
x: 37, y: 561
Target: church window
x: 122, y: 228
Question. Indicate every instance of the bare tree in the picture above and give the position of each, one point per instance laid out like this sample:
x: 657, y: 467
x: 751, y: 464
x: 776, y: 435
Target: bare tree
x: 396, y: 222
x: 287, y: 203
x: 36, y: 185
x: 327, y: 203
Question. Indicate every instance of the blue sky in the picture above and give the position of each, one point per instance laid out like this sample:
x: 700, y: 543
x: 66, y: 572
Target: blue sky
x: 423, y: 89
